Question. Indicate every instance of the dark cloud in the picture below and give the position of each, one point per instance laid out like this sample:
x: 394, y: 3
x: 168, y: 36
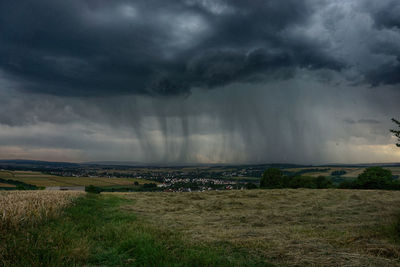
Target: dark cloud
x: 88, y: 48
x: 385, y: 13
x: 386, y: 74
x: 362, y: 121
x: 294, y: 81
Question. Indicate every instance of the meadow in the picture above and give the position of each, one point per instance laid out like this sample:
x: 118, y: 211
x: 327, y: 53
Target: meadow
x: 281, y: 227
x: 42, y: 180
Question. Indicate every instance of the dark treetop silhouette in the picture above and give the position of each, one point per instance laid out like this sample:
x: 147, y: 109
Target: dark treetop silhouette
x: 397, y: 132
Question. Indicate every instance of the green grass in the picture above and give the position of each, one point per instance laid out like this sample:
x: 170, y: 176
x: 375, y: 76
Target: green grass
x: 96, y: 232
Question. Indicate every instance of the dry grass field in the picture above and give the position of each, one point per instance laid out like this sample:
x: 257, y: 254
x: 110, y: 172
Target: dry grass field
x: 286, y: 227
x: 18, y: 208
x: 40, y: 179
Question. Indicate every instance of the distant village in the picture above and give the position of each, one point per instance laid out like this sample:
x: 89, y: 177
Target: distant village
x: 176, y: 179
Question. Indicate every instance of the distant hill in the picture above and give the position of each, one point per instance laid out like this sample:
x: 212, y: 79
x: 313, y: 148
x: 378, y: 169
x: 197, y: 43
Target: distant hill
x: 50, y: 164
x: 36, y: 163
x: 118, y: 163
x: 393, y: 164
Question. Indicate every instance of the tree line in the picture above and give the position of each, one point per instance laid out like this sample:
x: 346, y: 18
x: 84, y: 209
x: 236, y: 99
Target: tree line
x: 371, y: 178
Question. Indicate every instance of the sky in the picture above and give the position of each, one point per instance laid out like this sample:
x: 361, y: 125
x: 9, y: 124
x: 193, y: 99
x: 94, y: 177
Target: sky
x: 200, y: 81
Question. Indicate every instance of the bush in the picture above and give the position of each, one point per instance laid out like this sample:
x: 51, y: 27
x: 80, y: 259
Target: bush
x: 18, y: 185
x: 347, y: 185
x: 272, y: 178
x: 319, y: 182
x: 251, y: 186
x: 93, y: 189
x: 150, y: 185
x: 302, y: 182
x: 323, y: 182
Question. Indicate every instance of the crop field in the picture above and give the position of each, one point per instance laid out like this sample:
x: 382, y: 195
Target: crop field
x: 286, y: 227
x: 40, y: 179
x: 6, y: 185
x: 351, y: 172
x: 18, y: 208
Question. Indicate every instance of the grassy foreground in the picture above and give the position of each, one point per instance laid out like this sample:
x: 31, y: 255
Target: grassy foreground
x: 289, y: 227
x: 299, y: 227
x: 96, y: 232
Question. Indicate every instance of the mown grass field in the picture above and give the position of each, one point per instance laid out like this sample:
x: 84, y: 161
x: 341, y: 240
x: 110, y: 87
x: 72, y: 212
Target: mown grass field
x: 40, y: 179
x: 286, y: 227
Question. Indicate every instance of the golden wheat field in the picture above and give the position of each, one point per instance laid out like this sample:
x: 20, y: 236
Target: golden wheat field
x: 18, y: 208
x: 294, y: 227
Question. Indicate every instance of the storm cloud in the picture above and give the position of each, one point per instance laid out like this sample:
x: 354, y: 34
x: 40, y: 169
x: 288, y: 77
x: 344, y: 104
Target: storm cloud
x: 87, y: 48
x: 199, y: 80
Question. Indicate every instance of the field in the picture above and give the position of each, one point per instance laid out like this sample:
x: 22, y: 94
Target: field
x: 282, y: 227
x: 40, y: 179
x: 351, y: 172
x: 6, y: 185
x: 289, y: 227
x: 19, y: 208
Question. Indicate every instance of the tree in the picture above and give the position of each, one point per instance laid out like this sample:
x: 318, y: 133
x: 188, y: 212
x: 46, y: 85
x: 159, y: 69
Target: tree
x: 396, y: 132
x: 323, y: 182
x: 375, y: 178
x: 272, y: 178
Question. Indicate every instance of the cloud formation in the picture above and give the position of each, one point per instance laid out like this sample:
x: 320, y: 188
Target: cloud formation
x: 89, y: 48
x: 292, y: 81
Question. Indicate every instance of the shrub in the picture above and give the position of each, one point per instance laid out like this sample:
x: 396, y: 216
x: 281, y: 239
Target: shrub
x: 150, y: 185
x: 272, y: 178
x: 347, y: 185
x: 323, y: 182
x: 309, y: 182
x: 251, y: 186
x: 93, y: 189
x: 301, y: 182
